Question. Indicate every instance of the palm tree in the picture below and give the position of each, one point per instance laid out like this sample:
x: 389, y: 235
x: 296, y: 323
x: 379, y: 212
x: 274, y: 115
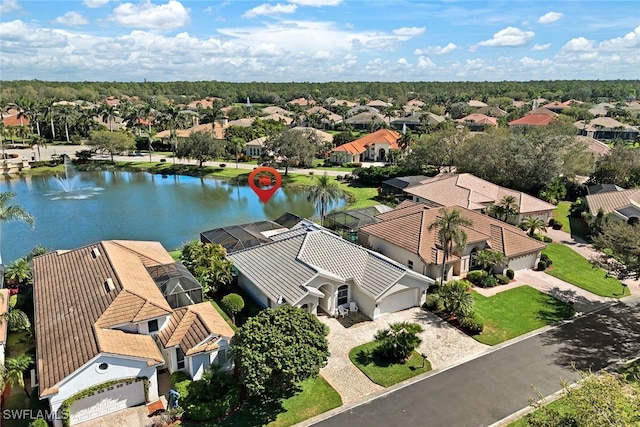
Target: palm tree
x: 324, y: 193
x: 532, y: 224
x: 108, y: 114
x: 13, y: 373
x: 13, y: 212
x: 487, y: 259
x: 172, y: 118
x: 509, y: 206
x: 449, y: 227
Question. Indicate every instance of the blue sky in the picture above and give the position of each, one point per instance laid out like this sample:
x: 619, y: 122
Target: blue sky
x: 319, y: 40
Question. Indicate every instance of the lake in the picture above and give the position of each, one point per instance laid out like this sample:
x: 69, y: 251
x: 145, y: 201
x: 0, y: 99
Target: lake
x: 134, y: 205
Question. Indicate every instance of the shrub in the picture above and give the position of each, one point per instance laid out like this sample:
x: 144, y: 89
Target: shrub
x: 38, y: 423
x: 488, y: 282
x: 232, y: 304
x: 311, y: 172
x: 398, y: 341
x: 476, y: 276
x: 552, y: 222
x: 456, y: 297
x: 347, y: 177
x: 502, y: 279
x: 432, y: 302
x: 546, y: 239
x: 511, y: 274
x: 178, y: 377
x: 354, y: 165
x: 223, y: 165
x: 339, y: 177
x: 542, y: 265
x: 557, y: 225
x: 546, y: 259
x: 471, y: 324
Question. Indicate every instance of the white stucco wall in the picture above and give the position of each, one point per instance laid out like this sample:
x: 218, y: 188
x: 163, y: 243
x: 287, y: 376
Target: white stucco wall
x: 143, y: 327
x: 89, y: 375
x: 365, y: 303
x: 394, y: 252
x: 258, y: 297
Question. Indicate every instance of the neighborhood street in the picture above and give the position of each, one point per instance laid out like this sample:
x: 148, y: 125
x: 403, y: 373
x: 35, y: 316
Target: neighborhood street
x: 485, y: 390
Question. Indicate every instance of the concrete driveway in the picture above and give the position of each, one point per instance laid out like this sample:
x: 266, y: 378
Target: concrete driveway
x: 131, y: 417
x: 442, y: 343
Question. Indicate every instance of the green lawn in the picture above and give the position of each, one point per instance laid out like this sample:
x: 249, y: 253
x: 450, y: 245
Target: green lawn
x: 314, y: 397
x: 383, y: 372
x: 571, y: 267
x: 318, y: 164
x: 515, y: 312
x: 630, y: 374
x: 574, y: 226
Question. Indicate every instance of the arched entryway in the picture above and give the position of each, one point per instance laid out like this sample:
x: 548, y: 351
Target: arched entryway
x: 327, y: 303
x: 382, y: 155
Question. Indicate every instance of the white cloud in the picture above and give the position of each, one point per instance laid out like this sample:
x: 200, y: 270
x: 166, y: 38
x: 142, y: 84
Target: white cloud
x: 267, y: 9
x: 409, y: 31
x: 316, y: 3
x: 207, y: 9
x: 95, y: 3
x: 9, y: 6
x: 148, y: 15
x: 629, y: 41
x: 537, y: 47
x: 579, y: 44
x: 550, y: 17
x: 72, y: 19
x: 436, y: 50
x: 425, y: 62
x: 509, y: 37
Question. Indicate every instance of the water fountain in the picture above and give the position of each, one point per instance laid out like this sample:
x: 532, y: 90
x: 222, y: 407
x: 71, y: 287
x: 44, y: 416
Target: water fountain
x: 67, y: 184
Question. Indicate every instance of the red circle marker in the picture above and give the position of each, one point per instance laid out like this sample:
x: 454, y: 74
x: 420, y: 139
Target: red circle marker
x: 268, y: 182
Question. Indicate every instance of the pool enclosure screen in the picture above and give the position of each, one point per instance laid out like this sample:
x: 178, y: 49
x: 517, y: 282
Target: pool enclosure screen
x: 177, y: 284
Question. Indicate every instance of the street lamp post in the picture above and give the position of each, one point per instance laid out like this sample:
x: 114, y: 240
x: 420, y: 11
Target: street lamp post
x: 424, y: 358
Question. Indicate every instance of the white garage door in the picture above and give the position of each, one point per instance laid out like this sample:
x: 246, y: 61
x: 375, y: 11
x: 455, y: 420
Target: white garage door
x: 523, y: 262
x: 112, y: 399
x: 399, y: 301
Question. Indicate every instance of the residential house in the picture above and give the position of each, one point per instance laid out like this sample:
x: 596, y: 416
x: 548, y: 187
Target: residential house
x: 603, y: 188
x: 327, y: 118
x: 4, y: 309
x: 416, y: 103
x: 276, y: 110
x: 396, y: 186
x: 255, y: 147
x: 302, y: 102
x: 216, y: 128
x: 492, y: 111
x: 476, y: 194
x: 474, y: 103
x: 556, y: 106
x: 417, y: 119
x: 195, y: 338
x: 316, y: 270
x: 377, y: 103
x: 404, y: 235
x: 597, y: 148
x: 278, y: 118
x: 601, y: 109
x: 618, y: 205
x: 342, y: 102
x: 536, y: 117
x: 372, y: 147
x: 478, y: 122
x: 367, y: 120
x: 606, y: 128
x: 98, y: 310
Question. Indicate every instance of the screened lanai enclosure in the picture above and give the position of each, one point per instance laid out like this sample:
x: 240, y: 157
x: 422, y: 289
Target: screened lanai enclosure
x: 177, y: 284
x: 352, y: 220
x: 238, y: 237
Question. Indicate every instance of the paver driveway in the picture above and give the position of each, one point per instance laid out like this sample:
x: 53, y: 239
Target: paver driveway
x: 442, y: 343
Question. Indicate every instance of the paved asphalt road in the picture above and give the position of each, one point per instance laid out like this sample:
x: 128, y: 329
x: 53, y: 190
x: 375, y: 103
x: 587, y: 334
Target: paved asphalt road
x: 492, y: 387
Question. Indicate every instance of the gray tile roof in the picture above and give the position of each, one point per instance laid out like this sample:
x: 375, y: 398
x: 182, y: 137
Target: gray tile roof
x: 280, y: 267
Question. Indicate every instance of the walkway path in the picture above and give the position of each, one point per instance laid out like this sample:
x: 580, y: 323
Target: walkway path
x: 443, y: 344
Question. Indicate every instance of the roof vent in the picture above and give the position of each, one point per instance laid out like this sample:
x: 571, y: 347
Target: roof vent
x: 108, y: 285
x: 95, y: 252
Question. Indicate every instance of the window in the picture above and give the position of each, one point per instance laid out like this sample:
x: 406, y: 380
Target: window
x: 410, y: 264
x: 472, y: 258
x: 343, y: 294
x: 180, y: 358
x: 222, y: 356
x: 153, y: 325
x: 102, y: 367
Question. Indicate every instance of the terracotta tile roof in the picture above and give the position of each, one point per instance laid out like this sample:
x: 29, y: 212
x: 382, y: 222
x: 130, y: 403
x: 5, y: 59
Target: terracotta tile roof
x: 556, y: 105
x: 4, y: 308
x: 479, y: 119
x: 276, y: 110
x: 492, y: 111
x: 544, y: 111
x: 344, y: 102
x: 122, y: 343
x: 303, y: 102
x: 73, y: 301
x: 278, y: 118
x: 13, y: 120
x: 600, y: 123
x: 476, y: 104
x: 532, y: 120
x: 360, y: 145
x: 473, y: 193
x: 218, y: 131
x: 378, y: 103
x: 411, y: 232
x: 190, y: 326
x: 594, y: 146
x: 415, y: 102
